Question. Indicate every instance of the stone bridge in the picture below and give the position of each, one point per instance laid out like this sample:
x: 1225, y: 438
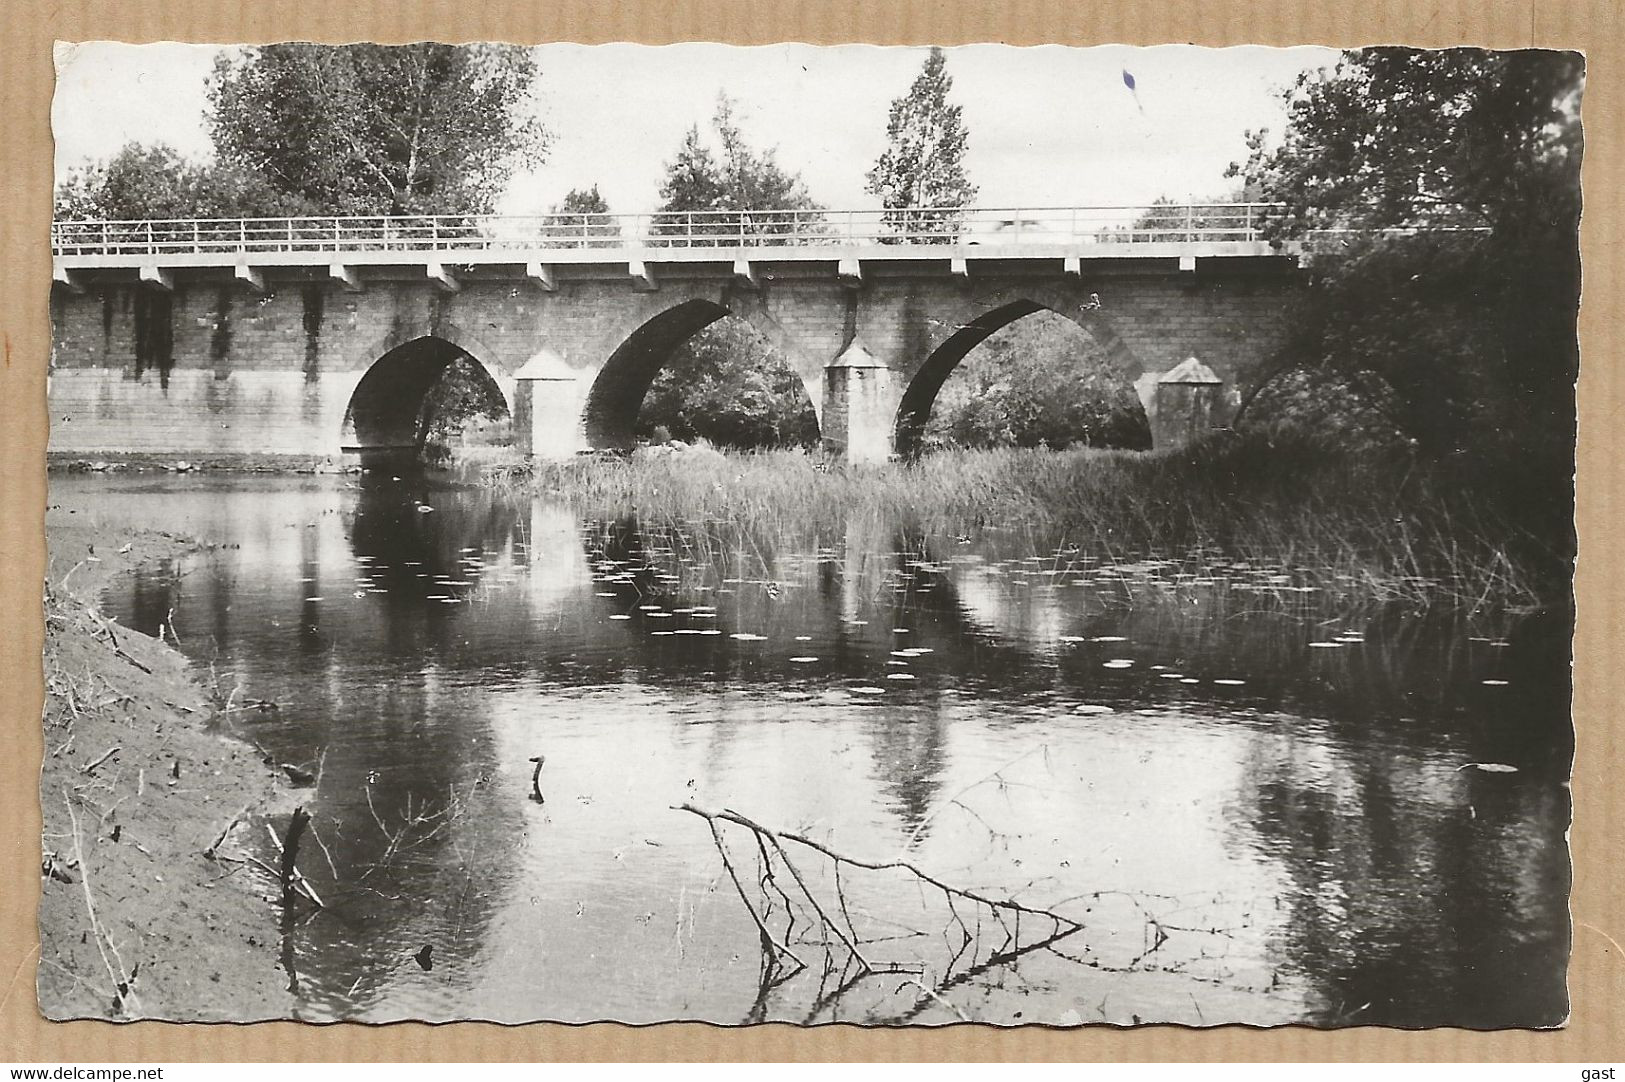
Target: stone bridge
x: 318, y: 346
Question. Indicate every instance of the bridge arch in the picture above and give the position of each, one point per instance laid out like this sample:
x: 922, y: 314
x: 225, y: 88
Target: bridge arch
x: 410, y: 329
x: 391, y: 410
x: 914, y: 409
x: 619, y: 389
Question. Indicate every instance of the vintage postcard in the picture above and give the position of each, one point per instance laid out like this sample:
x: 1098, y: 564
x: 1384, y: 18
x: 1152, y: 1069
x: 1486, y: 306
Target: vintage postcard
x: 900, y: 536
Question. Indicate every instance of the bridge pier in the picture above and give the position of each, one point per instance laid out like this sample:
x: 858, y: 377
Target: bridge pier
x: 548, y: 403
x: 1187, y: 402
x: 860, y: 406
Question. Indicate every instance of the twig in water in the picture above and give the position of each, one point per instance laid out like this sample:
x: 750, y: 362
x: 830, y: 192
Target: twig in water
x: 914, y: 834
x: 300, y: 885
x: 289, y: 873
x: 996, y: 904
x: 935, y: 996
x: 331, y: 867
x: 536, y: 779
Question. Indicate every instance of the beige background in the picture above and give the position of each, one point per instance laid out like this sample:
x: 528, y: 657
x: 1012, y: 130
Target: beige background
x: 27, y: 28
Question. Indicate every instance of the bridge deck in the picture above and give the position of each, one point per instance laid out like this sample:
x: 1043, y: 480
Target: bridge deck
x: 697, y: 258
x: 721, y: 237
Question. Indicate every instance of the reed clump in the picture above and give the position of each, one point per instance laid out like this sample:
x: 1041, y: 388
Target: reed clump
x: 1399, y: 526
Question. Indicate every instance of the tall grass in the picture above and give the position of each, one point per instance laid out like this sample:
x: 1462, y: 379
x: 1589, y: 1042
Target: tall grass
x: 1386, y: 522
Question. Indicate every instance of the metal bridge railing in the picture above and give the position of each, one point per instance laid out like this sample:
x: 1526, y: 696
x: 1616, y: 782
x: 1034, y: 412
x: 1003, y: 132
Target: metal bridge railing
x: 1025, y: 227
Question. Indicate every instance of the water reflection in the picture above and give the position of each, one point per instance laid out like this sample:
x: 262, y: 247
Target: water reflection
x: 1278, y: 778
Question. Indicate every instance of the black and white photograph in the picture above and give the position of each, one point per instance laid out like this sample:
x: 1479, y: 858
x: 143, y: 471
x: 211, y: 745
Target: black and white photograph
x: 898, y: 536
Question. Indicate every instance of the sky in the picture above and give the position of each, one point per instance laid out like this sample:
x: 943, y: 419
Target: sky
x: 1050, y: 126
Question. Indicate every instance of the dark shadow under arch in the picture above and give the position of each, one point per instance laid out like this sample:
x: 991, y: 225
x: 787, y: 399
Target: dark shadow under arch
x: 914, y: 411
x: 390, y: 409
x: 617, y: 393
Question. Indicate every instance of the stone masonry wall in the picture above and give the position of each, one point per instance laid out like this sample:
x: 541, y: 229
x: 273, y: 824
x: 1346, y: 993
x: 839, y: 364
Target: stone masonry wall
x: 215, y: 368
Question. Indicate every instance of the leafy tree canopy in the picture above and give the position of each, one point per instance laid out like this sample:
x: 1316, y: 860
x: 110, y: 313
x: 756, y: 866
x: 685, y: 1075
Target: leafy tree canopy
x: 1041, y: 381
x: 1463, y: 332
x: 572, y: 220
x: 727, y: 384
x: 738, y: 178
x: 582, y: 201
x: 1220, y: 218
x: 379, y: 129
x: 1395, y: 137
x: 923, y: 164
x: 147, y: 182
x: 301, y: 128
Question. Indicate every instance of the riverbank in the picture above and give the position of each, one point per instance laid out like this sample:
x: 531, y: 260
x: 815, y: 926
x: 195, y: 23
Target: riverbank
x: 145, y: 911
x: 237, y: 462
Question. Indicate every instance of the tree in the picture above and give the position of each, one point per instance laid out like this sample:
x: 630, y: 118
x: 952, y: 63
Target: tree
x: 727, y: 385
x: 752, y: 179
x: 465, y: 394
x: 1394, y: 137
x: 1457, y: 329
x: 1226, y: 218
x: 769, y: 200
x: 693, y: 180
x: 1041, y: 381
x: 379, y: 129
x: 582, y: 201
x: 582, y: 219
x: 1464, y: 330
x: 923, y: 165
x: 155, y: 182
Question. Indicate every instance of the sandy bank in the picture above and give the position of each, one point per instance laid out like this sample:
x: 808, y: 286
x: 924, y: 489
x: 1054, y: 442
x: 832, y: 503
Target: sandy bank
x: 139, y: 781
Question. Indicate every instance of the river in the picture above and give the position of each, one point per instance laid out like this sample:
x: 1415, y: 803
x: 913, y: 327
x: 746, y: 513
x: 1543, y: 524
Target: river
x: 1261, y: 803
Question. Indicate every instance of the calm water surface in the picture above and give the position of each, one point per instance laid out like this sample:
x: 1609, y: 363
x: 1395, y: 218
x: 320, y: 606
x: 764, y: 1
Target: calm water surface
x: 1257, y: 799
